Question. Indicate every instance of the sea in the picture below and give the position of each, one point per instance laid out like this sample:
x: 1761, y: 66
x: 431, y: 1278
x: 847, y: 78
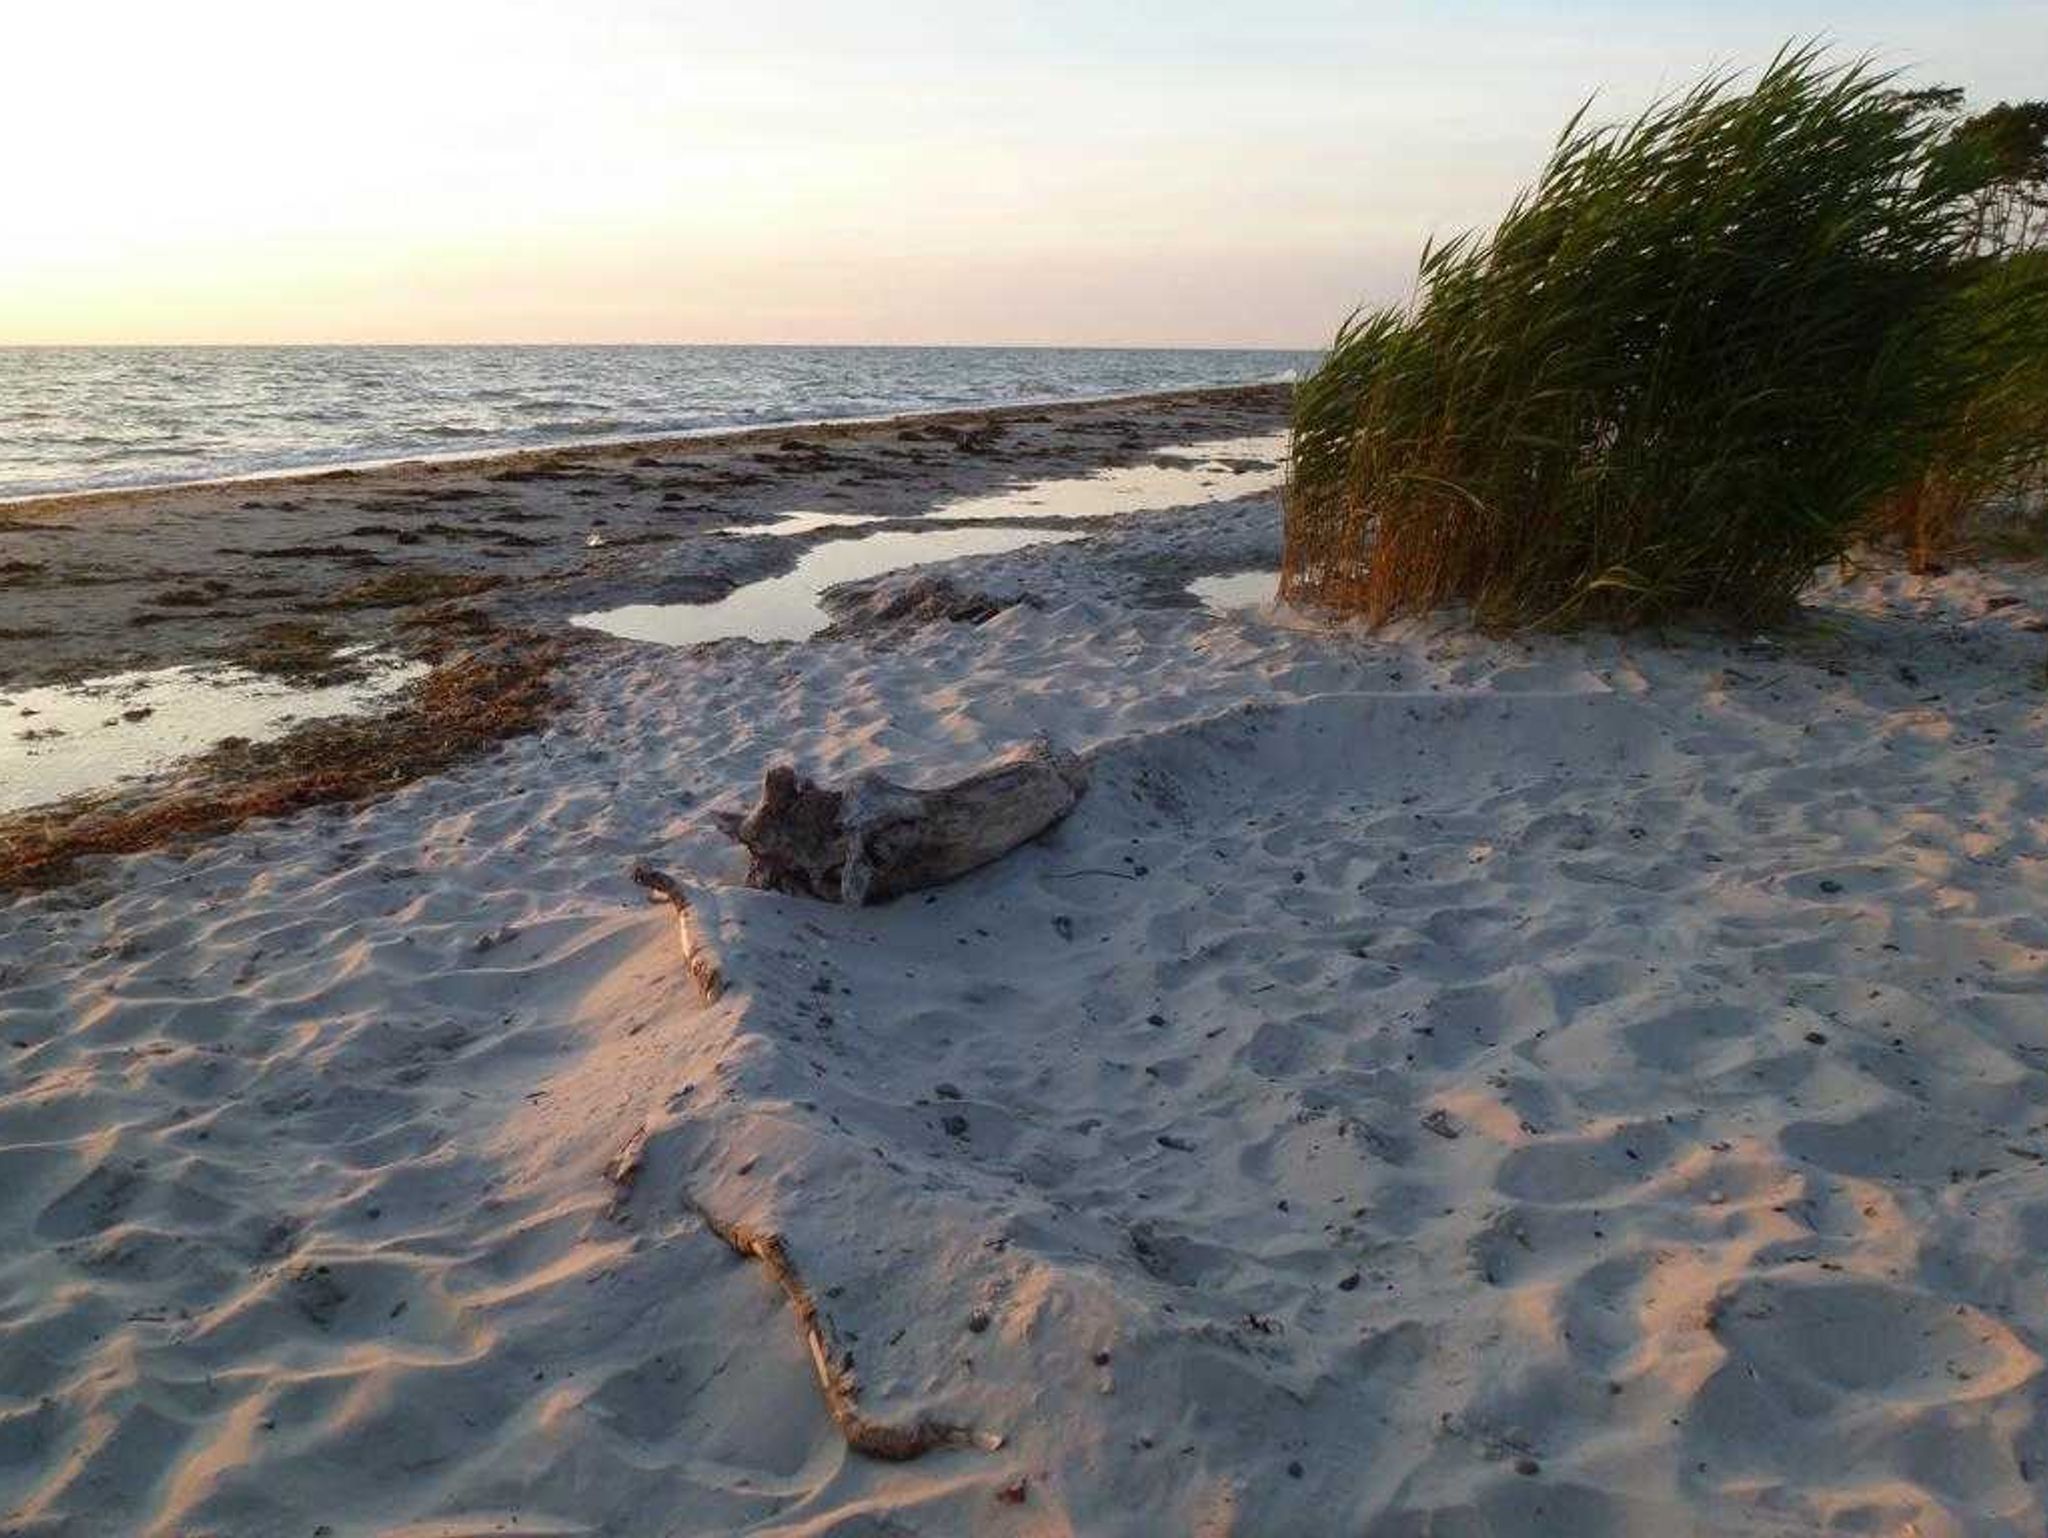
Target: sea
x: 88, y: 418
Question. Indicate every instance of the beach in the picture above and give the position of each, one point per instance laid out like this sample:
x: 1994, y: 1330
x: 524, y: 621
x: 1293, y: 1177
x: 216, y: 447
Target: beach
x: 1431, y: 1083
x: 100, y: 582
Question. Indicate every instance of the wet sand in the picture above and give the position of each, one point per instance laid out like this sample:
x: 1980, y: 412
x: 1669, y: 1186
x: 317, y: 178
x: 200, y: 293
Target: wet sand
x: 113, y: 581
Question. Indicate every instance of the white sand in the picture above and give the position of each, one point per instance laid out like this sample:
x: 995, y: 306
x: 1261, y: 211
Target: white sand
x: 1586, y: 1087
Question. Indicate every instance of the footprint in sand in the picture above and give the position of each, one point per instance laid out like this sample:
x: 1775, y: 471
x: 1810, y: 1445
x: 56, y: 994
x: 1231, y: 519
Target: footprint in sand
x: 96, y: 1203
x: 1582, y: 1169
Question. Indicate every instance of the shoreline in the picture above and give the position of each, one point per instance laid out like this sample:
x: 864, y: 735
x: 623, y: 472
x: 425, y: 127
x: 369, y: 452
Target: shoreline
x: 709, y: 437
x: 469, y: 570
x: 136, y: 580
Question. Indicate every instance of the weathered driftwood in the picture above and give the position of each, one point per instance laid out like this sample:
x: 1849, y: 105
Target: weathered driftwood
x: 699, y: 953
x: 623, y: 1170
x: 874, y: 1439
x: 871, y: 1438
x: 876, y: 839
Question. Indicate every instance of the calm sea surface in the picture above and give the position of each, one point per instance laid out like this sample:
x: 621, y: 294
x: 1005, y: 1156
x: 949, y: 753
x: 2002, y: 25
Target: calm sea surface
x: 77, y: 418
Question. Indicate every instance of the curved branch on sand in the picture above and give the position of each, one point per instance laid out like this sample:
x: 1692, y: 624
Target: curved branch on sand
x: 870, y: 1438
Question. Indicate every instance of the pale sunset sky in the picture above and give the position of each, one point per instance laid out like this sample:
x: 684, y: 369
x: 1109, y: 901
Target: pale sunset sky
x: 1197, y: 172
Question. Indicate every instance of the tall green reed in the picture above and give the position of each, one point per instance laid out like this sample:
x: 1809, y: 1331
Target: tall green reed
x: 1675, y: 379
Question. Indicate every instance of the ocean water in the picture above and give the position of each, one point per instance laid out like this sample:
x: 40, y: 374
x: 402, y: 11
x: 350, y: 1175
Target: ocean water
x: 77, y: 418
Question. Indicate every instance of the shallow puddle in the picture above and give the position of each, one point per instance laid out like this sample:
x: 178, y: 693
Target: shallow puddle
x: 70, y: 739
x: 786, y: 608
x: 1216, y: 471
x: 1237, y: 590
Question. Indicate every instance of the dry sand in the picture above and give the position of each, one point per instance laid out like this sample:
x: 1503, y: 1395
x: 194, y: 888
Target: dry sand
x: 1432, y: 1085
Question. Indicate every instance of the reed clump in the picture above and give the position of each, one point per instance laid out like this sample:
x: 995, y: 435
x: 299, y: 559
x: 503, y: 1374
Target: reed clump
x: 1985, y: 488
x: 1675, y: 379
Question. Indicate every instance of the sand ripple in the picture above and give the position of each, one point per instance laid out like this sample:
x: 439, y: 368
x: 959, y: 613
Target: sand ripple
x: 1431, y: 1086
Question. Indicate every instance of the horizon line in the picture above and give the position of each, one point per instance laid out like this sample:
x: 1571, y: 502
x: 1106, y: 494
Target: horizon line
x: 6, y: 346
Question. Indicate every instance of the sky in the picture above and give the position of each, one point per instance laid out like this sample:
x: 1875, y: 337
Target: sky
x: 1115, y: 172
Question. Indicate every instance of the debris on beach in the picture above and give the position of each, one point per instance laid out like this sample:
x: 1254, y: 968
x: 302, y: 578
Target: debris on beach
x: 876, y: 839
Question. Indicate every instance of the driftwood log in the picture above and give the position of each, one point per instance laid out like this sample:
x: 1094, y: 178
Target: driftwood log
x: 875, y: 839
x: 864, y: 843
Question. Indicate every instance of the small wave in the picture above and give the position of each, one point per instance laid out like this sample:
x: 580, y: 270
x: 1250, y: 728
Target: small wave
x: 594, y: 427
x: 146, y: 417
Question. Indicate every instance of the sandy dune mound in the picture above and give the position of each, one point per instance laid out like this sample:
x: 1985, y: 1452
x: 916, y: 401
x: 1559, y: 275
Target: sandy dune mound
x: 1430, y: 1085
x: 1359, y: 1097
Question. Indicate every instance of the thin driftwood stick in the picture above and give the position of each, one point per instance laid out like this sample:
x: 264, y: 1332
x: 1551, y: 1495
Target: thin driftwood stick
x: 699, y: 954
x: 623, y: 1170
x: 873, y: 1439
